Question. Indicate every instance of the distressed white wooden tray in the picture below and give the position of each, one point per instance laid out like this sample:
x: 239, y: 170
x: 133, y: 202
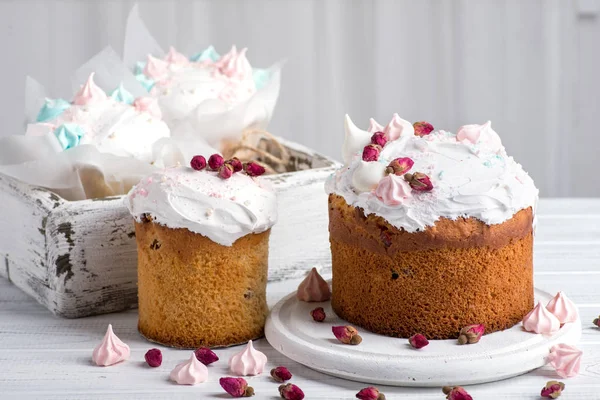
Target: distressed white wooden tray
x: 391, y: 361
x: 79, y: 258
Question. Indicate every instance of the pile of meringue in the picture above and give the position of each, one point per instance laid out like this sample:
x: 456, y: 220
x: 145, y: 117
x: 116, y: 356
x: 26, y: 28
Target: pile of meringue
x: 247, y: 362
x: 560, y: 310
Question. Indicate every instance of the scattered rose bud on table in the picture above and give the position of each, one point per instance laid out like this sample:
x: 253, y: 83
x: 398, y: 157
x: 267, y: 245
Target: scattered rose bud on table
x: 456, y: 393
x: 153, y: 358
x: 552, y: 390
x: 418, y: 341
x: 236, y: 387
x: 370, y: 393
x: 346, y: 334
x: 281, y: 374
x: 318, y: 314
x: 206, y: 356
x: 291, y: 392
x: 471, y: 334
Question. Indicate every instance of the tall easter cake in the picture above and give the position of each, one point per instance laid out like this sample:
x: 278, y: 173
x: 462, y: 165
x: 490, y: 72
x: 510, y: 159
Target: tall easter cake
x: 117, y: 123
x: 430, y: 231
x: 203, y: 243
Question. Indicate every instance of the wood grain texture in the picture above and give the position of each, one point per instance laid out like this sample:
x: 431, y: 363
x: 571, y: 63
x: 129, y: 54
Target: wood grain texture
x: 79, y: 258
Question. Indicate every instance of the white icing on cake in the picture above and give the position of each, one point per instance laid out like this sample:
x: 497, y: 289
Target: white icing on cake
x: 470, y: 179
x: 223, y: 210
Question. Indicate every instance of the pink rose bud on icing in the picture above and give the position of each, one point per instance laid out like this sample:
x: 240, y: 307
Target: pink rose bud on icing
x: 225, y: 171
x: 371, y: 152
x: 254, y: 169
x: 419, y: 182
x: 422, y: 128
x: 471, y: 334
x: 236, y: 164
x: 281, y: 374
x: 370, y: 393
x: 346, y: 334
x: 456, y: 393
x: 236, y: 387
x: 418, y: 341
x: 198, y: 163
x: 206, y: 356
x: 291, y: 392
x: 153, y: 357
x: 552, y: 390
x: 597, y: 322
x: 399, y: 166
x: 318, y: 314
x: 379, y: 139
x: 215, y: 161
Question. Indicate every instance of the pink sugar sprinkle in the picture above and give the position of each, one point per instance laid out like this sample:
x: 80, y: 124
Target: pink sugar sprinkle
x: 518, y: 179
x: 143, y: 192
x: 149, y: 180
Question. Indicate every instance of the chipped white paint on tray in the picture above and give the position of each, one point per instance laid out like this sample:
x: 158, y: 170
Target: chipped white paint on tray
x: 79, y: 258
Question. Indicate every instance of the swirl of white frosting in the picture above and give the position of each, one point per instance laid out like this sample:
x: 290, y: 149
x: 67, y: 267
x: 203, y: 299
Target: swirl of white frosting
x: 223, y: 210
x: 470, y: 179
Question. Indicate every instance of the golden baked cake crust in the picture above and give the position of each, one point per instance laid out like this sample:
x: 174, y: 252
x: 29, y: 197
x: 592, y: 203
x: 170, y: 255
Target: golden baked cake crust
x: 432, y: 282
x: 194, y: 292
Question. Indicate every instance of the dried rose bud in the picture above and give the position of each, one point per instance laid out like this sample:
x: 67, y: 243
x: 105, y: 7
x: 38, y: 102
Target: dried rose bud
x: 419, y: 182
x: 418, y: 341
x: 198, y: 163
x: 291, y: 392
x: 206, y: 356
x: 254, y: 169
x: 370, y: 393
x: 215, y: 162
x: 225, y: 171
x: 399, y: 166
x: 456, y: 393
x: 371, y: 152
x: 346, y: 334
x: 597, y: 322
x: 379, y: 138
x: 553, y: 389
x: 318, y: 314
x: 153, y: 358
x: 281, y: 374
x: 236, y: 164
x: 422, y: 128
x: 471, y: 334
x: 236, y: 387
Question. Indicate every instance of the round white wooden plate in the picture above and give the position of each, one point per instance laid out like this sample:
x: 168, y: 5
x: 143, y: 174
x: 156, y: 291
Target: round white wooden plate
x: 391, y: 361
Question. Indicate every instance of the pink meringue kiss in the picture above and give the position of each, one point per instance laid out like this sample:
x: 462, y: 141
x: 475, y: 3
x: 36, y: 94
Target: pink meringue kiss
x: 248, y: 361
x: 149, y: 105
x: 566, y: 360
x: 393, y: 190
x: 397, y: 127
x: 189, y: 372
x: 540, y: 320
x: 156, y: 68
x: 175, y: 57
x: 563, y: 308
x: 313, y: 288
x: 89, y: 93
x: 111, y: 350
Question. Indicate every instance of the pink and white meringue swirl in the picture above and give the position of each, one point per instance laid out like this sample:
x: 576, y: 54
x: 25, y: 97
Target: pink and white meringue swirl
x: 480, y: 134
x: 175, y: 57
x: 398, y: 127
x: 566, y: 360
x: 313, y: 288
x: 563, y: 308
x: 111, y: 350
x: 248, y: 361
x: 189, y: 372
x: 156, y: 68
x: 540, y: 320
x: 237, y: 66
x: 149, y: 105
x: 89, y: 93
x: 393, y: 190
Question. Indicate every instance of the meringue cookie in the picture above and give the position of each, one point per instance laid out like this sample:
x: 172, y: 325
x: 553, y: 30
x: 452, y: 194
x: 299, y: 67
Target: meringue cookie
x: 248, y: 361
x: 111, y: 350
x: 367, y: 175
x: 566, y: 360
x: 563, y: 308
x: 480, y: 134
x: 398, y: 127
x: 540, y: 320
x: 189, y: 372
x: 355, y: 139
x: 89, y: 93
x: 313, y: 288
x: 393, y: 190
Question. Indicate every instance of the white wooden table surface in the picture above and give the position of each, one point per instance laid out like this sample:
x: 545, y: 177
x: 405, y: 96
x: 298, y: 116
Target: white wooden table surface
x: 42, y: 356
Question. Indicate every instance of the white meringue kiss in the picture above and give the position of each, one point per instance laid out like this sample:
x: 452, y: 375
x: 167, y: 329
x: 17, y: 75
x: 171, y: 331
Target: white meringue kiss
x: 563, y: 308
x: 248, y: 361
x: 111, y: 350
x: 189, y: 372
x: 367, y: 175
x: 540, y: 320
x: 313, y: 288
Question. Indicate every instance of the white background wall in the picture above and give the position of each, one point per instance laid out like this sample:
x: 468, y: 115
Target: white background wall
x: 531, y: 66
